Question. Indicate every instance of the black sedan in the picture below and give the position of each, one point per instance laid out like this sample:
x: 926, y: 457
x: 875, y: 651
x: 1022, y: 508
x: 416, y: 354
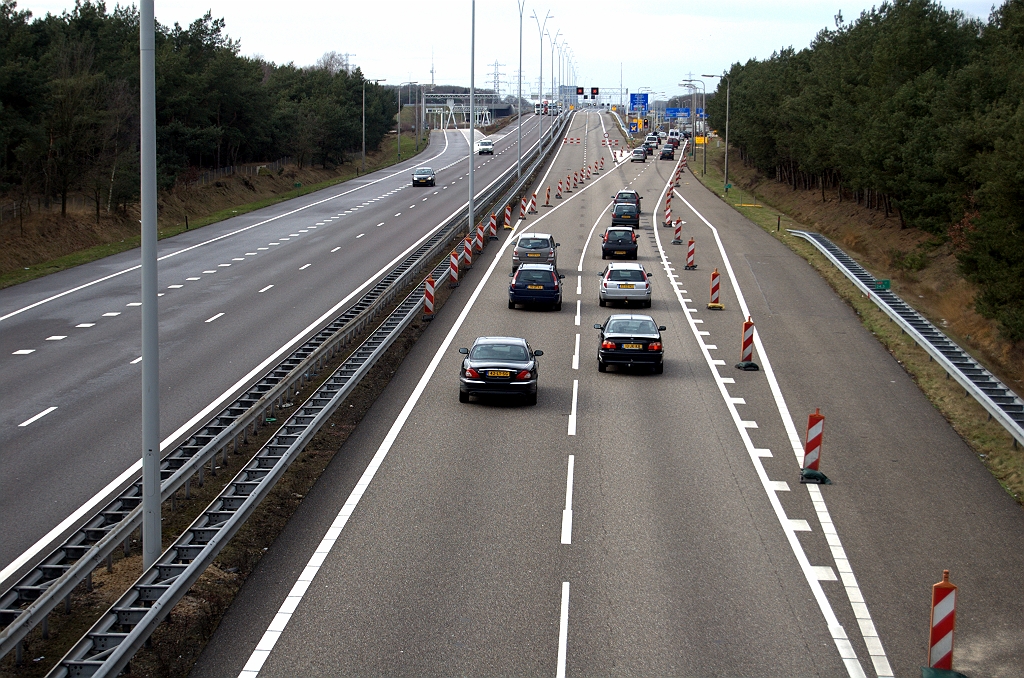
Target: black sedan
x: 630, y: 340
x: 667, y: 153
x: 536, y: 284
x: 499, y: 366
x: 619, y: 241
x: 423, y: 176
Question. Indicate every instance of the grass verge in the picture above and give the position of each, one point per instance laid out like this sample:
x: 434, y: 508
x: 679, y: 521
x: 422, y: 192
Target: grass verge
x: 990, y: 441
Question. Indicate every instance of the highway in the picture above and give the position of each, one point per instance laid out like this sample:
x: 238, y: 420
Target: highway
x: 234, y: 295
x: 640, y: 524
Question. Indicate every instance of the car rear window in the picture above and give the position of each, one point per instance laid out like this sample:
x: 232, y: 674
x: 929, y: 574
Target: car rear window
x: 533, y: 276
x: 628, y: 275
x: 509, y: 352
x: 631, y: 327
x: 619, y: 236
x: 624, y: 208
x: 626, y: 196
x: 534, y: 243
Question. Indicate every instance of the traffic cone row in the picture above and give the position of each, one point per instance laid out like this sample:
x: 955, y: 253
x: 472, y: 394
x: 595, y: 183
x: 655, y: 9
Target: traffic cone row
x: 558, y: 191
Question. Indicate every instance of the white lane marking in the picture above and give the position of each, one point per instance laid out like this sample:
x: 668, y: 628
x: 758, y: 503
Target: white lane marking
x: 734, y: 401
x: 262, y: 249
x: 238, y: 259
x: 291, y: 602
x: 57, y: 337
x: 578, y: 302
x: 572, y: 413
x: 579, y: 284
x: 567, y: 512
x: 112, y: 314
x: 210, y: 320
x: 193, y: 279
x: 121, y: 481
x: 24, y: 351
x: 207, y: 272
x: 273, y: 243
x: 85, y: 325
x: 576, y: 354
x: 764, y: 452
x: 303, y: 230
x: 284, y: 239
x: 399, y: 214
x: 380, y: 224
x: 838, y: 633
x: 711, y: 347
x: 134, y: 303
x: 137, y: 360
x: 38, y: 416
x: 304, y: 267
x: 360, y: 235
x: 563, y: 630
x: 777, y: 485
x: 223, y: 265
x: 170, y: 287
x: 264, y: 289
x: 335, y: 249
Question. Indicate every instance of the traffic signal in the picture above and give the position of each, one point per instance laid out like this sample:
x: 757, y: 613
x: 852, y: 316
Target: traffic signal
x: 593, y: 91
x: 579, y: 90
x: 647, y: 123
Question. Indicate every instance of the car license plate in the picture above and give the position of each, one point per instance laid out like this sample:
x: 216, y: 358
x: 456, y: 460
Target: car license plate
x: 620, y: 251
x: 633, y: 346
x: 626, y: 286
x: 534, y: 287
x: 498, y: 373
x: 531, y: 254
x: 627, y: 216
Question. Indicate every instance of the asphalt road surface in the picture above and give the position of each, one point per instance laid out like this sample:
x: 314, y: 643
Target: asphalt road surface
x: 233, y: 294
x: 640, y: 524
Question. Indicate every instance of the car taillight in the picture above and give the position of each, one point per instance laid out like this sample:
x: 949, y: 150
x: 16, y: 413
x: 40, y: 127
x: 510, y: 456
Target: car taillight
x: 654, y: 346
x: 525, y: 374
x: 554, y: 277
x: 634, y: 237
x: 604, y: 283
x: 471, y: 373
x: 607, y: 344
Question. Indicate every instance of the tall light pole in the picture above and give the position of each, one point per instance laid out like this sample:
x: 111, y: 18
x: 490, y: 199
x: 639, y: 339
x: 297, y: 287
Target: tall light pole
x: 553, y: 95
x: 375, y: 82
x: 540, y: 85
x: 728, y: 86
x: 472, y: 107
x: 519, y: 105
x: 400, y: 85
x: 704, y: 127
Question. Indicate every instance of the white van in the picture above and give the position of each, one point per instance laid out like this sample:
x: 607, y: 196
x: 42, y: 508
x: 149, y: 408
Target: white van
x: 673, y: 134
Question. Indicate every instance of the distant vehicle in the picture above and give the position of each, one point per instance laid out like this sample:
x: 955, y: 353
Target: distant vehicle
x: 638, y: 155
x: 537, y: 109
x: 485, y: 146
x: 673, y: 134
x: 423, y: 176
x: 630, y: 196
x: 653, y: 140
x: 625, y: 282
x: 668, y: 152
x: 535, y: 248
x: 619, y: 241
x: 648, y: 147
x: 499, y: 366
x: 630, y: 340
x: 536, y: 284
x: 625, y: 214
x: 662, y: 134
x: 673, y: 142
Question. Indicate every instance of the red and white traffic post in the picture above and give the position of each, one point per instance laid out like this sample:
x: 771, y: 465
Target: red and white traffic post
x: 812, y: 450
x: 691, y: 255
x: 478, y: 243
x: 493, y: 226
x: 943, y: 623
x: 467, y: 252
x: 547, y: 197
x: 522, y: 209
x: 678, y: 239
x: 533, y: 204
x: 508, y: 217
x: 428, y: 298
x: 568, y: 178
x: 453, y: 268
x: 715, y: 304
x: 602, y: 162
x: 558, y: 191
x: 746, y: 362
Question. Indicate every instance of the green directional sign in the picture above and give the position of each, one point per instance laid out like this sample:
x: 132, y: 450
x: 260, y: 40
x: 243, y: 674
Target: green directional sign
x: 883, y: 284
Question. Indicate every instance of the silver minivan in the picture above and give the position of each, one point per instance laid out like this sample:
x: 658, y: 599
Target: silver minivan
x: 535, y: 248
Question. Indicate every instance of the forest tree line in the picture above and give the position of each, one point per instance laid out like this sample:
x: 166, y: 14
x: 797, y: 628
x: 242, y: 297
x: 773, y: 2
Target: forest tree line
x: 69, y: 105
x: 913, y: 109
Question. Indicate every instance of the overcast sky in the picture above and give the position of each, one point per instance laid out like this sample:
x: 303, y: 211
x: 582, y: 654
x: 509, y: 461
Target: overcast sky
x: 656, y: 44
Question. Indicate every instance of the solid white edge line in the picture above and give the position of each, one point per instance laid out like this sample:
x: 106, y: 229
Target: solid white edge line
x: 868, y: 630
x: 563, y: 630
x: 38, y: 416
x: 567, y: 512
x: 836, y: 630
x: 572, y: 413
x: 281, y: 619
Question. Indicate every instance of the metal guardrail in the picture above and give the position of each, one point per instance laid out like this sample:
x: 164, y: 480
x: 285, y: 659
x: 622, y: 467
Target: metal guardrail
x: 107, y: 649
x: 1000, y: 402
x: 27, y: 603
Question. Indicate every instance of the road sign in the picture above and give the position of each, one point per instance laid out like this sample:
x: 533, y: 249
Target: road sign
x: 606, y: 135
x: 883, y: 284
x: 686, y: 111
x: 700, y: 112
x: 633, y: 128
x: 638, y: 102
x: 673, y: 112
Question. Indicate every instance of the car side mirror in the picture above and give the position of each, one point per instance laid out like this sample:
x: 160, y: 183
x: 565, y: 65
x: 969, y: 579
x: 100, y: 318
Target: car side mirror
x: 558, y: 244
x: 464, y: 351
x: 511, y: 275
x: 661, y: 328
x: 597, y: 326
x: 538, y: 353
x: 561, y: 277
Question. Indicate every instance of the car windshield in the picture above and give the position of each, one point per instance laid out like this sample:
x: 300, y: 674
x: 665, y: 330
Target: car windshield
x: 624, y: 208
x: 486, y: 142
x: 628, y: 275
x: 533, y: 243
x: 424, y: 170
x: 533, y: 276
x: 632, y: 326
x: 500, y: 352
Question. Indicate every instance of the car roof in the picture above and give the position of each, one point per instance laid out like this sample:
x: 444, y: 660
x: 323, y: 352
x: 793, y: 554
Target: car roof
x: 630, y: 316
x: 534, y: 235
x: 485, y: 141
x: 626, y: 265
x: 499, y: 340
x: 536, y: 267
x: 628, y: 190
x: 424, y: 169
x: 638, y: 150
x: 619, y: 227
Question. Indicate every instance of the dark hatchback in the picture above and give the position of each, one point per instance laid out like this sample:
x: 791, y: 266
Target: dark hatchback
x: 625, y: 214
x: 667, y: 153
x: 630, y: 340
x: 536, y: 284
x: 499, y: 366
x: 619, y: 241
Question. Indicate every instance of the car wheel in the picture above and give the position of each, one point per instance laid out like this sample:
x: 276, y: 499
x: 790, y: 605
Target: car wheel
x: 558, y: 306
x: 659, y: 368
x: 511, y: 304
x: 531, y: 398
x: 647, y: 304
x: 601, y: 367
x: 601, y: 302
x: 463, y: 397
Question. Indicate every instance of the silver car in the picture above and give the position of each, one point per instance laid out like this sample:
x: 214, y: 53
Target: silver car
x: 535, y: 248
x: 625, y: 282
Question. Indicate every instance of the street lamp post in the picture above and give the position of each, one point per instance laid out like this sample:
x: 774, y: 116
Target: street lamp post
x: 364, y: 119
x: 400, y: 85
x: 554, y: 96
x: 727, y: 88
x: 472, y: 109
x: 519, y: 104
x: 540, y: 85
x: 703, y: 118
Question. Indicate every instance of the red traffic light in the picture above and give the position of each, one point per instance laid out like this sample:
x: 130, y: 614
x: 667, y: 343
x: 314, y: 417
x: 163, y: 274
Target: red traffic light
x: 579, y: 90
x: 593, y: 91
